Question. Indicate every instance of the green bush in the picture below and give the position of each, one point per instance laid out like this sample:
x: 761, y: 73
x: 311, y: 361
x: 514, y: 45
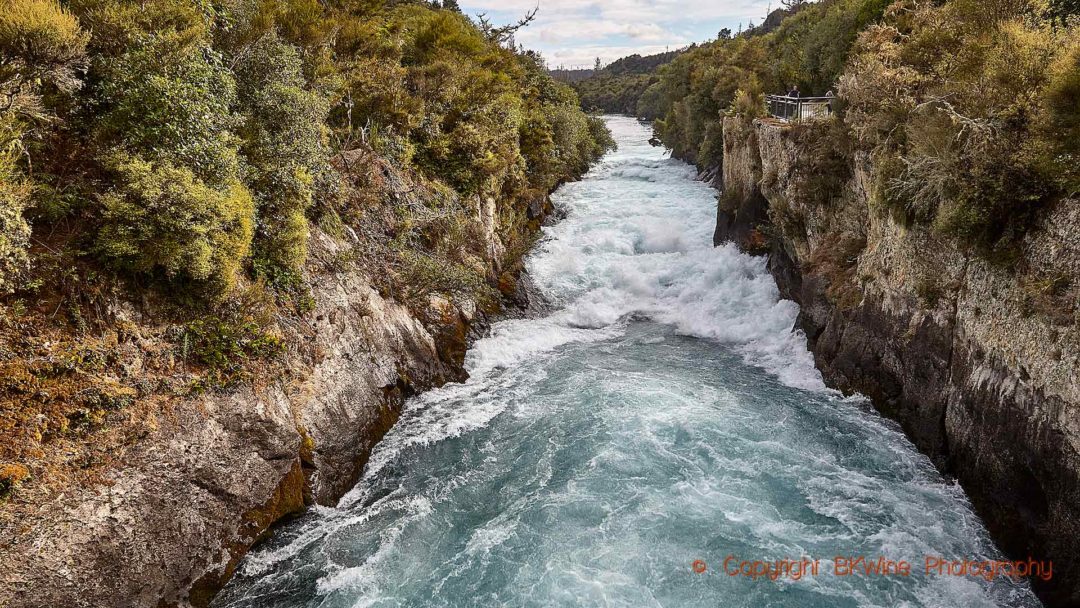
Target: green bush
x: 161, y: 217
x: 226, y: 347
x: 14, y: 230
x: 424, y: 274
x: 283, y: 144
x: 1057, y: 144
x: 537, y: 142
x: 41, y: 45
x: 40, y: 34
x: 170, y: 99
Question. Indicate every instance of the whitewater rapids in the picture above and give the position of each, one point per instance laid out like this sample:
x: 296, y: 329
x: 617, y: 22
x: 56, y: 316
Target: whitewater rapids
x: 615, y: 452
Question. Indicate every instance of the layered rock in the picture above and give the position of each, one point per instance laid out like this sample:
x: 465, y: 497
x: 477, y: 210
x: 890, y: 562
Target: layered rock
x: 975, y: 360
x: 172, y: 519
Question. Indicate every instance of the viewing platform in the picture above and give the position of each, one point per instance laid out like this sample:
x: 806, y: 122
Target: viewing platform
x: 798, y: 108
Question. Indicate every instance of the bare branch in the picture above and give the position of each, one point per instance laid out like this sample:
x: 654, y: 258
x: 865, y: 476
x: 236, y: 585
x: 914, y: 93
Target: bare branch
x: 504, y: 33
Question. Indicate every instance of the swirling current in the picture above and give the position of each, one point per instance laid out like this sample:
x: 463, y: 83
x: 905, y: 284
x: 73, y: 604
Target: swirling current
x: 617, y: 451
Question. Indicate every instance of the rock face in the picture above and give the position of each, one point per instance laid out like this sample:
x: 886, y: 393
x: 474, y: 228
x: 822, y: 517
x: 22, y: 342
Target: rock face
x: 976, y: 361
x: 172, y: 521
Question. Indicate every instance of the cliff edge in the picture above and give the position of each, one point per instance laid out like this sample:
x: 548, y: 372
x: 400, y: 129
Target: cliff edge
x: 976, y: 359
x: 195, y: 479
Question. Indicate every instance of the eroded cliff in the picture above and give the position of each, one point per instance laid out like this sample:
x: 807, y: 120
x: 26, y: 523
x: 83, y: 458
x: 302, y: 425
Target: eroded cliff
x: 207, y: 473
x: 975, y: 359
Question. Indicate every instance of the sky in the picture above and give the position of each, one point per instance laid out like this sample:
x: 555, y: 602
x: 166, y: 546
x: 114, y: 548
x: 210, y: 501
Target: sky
x: 573, y: 33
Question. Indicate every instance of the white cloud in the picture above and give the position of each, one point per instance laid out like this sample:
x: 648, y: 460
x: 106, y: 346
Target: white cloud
x: 572, y: 32
x: 567, y: 32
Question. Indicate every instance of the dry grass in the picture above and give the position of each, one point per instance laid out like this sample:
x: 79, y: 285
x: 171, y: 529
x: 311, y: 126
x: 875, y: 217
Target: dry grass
x: 85, y: 375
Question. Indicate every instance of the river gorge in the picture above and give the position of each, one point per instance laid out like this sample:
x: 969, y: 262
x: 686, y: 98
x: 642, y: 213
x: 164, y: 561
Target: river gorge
x: 657, y: 424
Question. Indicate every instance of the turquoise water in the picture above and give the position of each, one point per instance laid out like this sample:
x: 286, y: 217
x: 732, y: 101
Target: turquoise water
x: 664, y: 415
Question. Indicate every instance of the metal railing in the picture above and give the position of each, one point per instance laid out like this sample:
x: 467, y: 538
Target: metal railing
x: 798, y: 108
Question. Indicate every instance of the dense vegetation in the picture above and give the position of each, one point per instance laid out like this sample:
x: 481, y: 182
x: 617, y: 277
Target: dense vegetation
x: 618, y: 86
x: 970, y: 110
x: 189, y: 142
x: 984, y: 122
x: 166, y: 167
x: 808, y: 49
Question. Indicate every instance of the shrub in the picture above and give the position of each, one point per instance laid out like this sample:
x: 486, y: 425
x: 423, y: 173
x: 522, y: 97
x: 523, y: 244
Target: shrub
x: 1058, y: 125
x: 41, y: 44
x: 424, y: 274
x: 226, y: 347
x: 600, y: 138
x: 283, y: 146
x: 41, y: 35
x: 825, y: 163
x: 161, y: 217
x: 14, y: 231
x: 711, y: 152
x: 120, y: 26
x: 574, y: 138
x: 749, y: 104
x: 11, y: 475
x: 170, y: 99
x: 929, y: 290
x: 535, y: 138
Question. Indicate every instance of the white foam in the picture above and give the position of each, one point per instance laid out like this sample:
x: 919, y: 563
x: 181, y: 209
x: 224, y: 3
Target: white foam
x: 592, y: 490
x: 638, y: 240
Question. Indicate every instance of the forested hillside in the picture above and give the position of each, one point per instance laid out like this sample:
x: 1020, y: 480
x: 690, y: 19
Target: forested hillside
x: 808, y: 49
x: 926, y: 227
x: 969, y: 110
x: 165, y: 165
x: 620, y: 86
x: 617, y: 87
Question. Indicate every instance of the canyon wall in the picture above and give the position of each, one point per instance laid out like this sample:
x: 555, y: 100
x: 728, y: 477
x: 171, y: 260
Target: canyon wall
x: 172, y: 518
x: 976, y: 360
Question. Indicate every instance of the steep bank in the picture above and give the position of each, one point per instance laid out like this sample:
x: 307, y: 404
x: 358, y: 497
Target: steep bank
x: 209, y: 476
x: 233, y: 240
x: 975, y: 360
x: 661, y: 409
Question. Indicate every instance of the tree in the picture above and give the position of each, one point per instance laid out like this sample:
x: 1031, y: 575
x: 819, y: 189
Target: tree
x: 725, y: 34
x: 451, y: 5
x: 598, y: 65
x: 500, y: 35
x: 41, y: 45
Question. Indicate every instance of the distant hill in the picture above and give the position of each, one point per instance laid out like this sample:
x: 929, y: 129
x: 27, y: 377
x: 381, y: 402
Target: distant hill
x: 637, y: 64
x: 618, y: 86
x: 571, y: 76
x: 633, y: 64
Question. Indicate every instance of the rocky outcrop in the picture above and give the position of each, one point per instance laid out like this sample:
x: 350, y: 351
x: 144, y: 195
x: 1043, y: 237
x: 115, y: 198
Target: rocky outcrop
x: 976, y: 360
x: 172, y: 520
x: 171, y: 523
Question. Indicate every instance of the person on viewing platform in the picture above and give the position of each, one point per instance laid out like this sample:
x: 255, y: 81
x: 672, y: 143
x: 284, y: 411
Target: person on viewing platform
x: 794, y: 92
x: 829, y: 94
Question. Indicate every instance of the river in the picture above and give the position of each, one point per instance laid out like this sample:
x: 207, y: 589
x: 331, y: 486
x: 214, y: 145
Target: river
x: 617, y: 451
